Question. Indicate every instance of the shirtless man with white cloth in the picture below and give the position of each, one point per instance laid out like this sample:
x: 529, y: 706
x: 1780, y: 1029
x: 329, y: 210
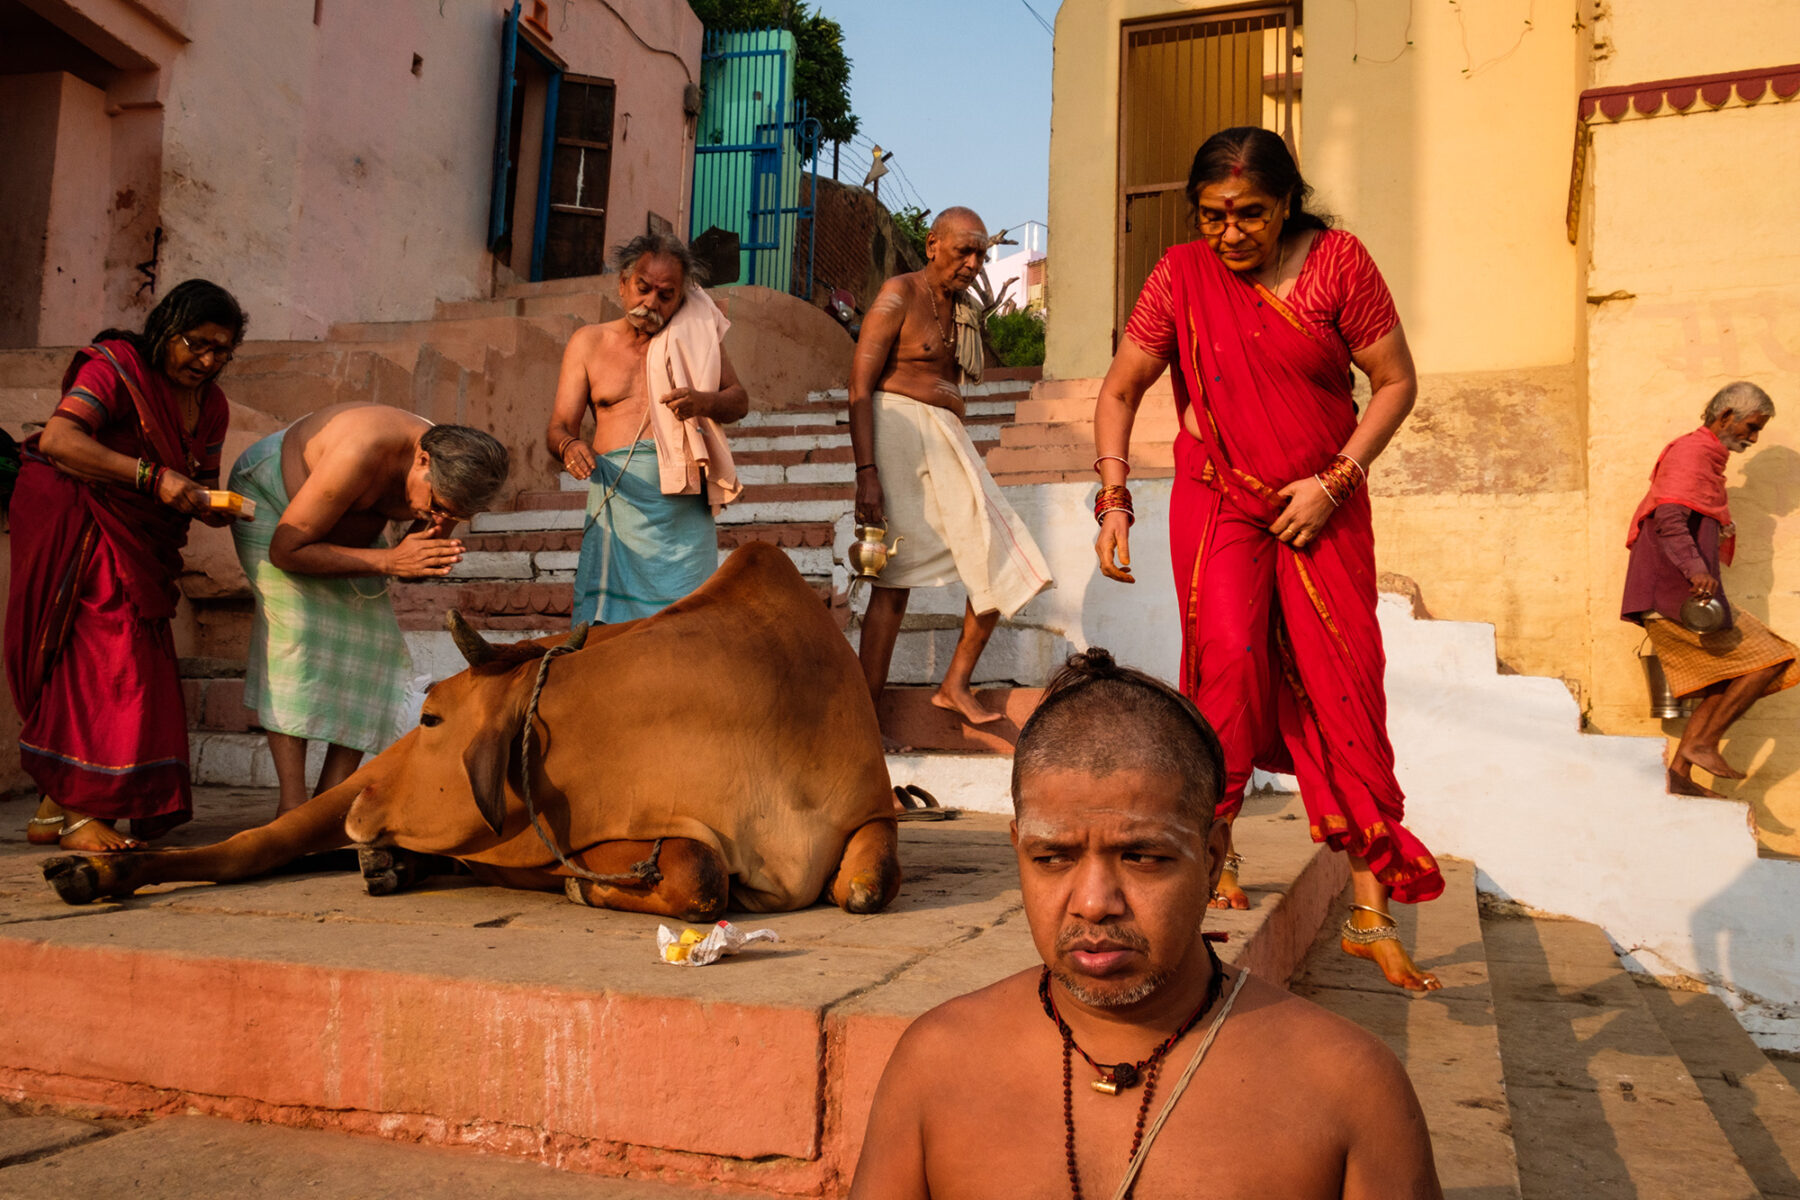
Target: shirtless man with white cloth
x: 919, y: 474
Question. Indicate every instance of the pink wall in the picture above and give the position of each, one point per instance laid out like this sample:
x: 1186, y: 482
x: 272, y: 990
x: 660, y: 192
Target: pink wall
x: 310, y: 170
x: 53, y: 208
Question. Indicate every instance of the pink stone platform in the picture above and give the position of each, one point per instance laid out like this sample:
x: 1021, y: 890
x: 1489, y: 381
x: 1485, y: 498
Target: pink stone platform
x: 526, y: 1026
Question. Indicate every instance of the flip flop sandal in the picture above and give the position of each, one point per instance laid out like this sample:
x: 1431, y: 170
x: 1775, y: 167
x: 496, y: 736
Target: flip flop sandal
x: 917, y: 804
x: 930, y: 802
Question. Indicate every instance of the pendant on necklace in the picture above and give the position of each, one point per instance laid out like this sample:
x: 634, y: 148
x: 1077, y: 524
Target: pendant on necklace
x: 1117, y: 1078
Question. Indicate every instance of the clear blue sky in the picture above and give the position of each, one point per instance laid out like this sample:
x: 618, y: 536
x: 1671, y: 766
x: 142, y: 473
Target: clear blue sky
x: 959, y: 90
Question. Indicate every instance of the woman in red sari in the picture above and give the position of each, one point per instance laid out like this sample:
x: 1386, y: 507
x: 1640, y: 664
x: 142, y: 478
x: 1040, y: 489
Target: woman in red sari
x: 99, y: 516
x: 1269, y: 524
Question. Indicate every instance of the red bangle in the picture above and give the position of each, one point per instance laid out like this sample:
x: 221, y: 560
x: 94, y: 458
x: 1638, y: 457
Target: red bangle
x: 1114, y: 498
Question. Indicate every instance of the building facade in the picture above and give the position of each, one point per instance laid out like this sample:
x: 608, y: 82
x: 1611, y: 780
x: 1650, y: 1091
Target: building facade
x: 1531, y: 186
x: 328, y: 160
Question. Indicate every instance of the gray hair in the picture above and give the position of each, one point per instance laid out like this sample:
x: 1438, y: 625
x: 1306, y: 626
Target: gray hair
x: 625, y: 258
x: 1743, y: 399
x: 468, y: 467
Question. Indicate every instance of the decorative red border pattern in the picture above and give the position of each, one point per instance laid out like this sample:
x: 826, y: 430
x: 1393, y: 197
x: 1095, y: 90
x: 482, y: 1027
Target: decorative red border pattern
x: 1614, y: 103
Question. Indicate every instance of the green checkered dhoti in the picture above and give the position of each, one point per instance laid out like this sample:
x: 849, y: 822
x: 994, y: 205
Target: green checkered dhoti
x: 327, y: 661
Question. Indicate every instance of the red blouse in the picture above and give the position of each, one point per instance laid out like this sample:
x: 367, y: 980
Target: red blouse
x: 1339, y: 291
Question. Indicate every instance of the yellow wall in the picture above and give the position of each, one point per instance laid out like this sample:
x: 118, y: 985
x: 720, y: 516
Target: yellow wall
x: 1084, y: 156
x: 1703, y: 310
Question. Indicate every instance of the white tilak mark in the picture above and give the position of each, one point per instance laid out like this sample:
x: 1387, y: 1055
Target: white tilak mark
x: 889, y: 302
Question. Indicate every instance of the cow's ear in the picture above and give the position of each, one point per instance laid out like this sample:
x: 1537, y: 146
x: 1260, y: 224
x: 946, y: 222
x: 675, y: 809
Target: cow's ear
x: 486, y: 760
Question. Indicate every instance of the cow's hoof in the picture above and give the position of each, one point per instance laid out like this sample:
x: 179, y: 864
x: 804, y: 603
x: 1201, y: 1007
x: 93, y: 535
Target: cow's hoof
x: 868, y: 894
x: 389, y: 870
x: 75, y: 878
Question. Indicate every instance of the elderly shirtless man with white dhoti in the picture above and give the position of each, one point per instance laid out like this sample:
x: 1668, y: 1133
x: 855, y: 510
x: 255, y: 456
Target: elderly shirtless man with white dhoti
x: 919, y: 474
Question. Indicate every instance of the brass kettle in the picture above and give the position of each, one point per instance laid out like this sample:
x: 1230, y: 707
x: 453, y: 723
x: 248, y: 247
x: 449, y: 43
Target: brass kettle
x: 868, y: 553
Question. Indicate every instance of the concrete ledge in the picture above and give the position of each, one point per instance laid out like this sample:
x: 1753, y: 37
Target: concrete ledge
x: 526, y: 1026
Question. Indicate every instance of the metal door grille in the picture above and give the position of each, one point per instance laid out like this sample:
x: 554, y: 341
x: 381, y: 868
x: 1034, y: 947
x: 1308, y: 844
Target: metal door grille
x: 1181, y: 81
x: 754, y: 142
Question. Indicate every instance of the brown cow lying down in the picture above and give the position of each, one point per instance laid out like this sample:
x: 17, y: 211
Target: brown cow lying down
x: 723, y: 749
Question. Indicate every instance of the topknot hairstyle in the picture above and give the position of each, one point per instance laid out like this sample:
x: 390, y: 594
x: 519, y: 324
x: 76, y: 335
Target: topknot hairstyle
x: 1099, y: 717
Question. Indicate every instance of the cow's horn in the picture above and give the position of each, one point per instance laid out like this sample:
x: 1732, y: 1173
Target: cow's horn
x: 474, y: 647
x: 577, y: 637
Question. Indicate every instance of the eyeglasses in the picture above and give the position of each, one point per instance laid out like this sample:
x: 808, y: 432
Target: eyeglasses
x: 219, y: 354
x: 1244, y: 224
x: 439, y: 509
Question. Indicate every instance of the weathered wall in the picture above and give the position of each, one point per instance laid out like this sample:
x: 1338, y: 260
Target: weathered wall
x: 306, y: 164
x: 1687, y: 316
x: 53, y: 208
x: 856, y: 246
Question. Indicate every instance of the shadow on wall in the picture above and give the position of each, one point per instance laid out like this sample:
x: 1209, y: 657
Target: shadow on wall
x: 1771, y: 490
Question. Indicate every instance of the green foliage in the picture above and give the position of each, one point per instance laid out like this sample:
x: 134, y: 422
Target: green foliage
x: 1018, y: 338
x: 913, y: 226
x: 821, y: 69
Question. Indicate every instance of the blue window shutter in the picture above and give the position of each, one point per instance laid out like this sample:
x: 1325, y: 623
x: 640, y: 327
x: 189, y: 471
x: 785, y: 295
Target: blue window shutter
x: 509, y: 56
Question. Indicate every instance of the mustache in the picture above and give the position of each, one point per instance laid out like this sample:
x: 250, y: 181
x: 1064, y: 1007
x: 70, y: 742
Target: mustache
x: 1119, y: 936
x: 647, y: 315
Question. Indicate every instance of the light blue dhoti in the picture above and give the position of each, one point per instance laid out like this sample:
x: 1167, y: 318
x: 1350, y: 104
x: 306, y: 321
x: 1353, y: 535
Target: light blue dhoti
x: 641, y: 549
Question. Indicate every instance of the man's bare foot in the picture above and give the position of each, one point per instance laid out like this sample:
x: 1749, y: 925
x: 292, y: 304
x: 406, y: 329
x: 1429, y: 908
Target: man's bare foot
x: 1386, y: 952
x: 91, y: 835
x: 964, y: 704
x: 1229, y: 893
x: 1681, y: 785
x: 1708, y: 759
x: 895, y: 746
x: 45, y: 828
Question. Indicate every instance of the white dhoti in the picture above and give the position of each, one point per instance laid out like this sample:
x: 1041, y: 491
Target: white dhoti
x: 938, y: 497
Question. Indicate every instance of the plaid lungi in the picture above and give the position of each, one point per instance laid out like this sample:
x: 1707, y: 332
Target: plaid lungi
x: 327, y: 661
x: 1694, y: 661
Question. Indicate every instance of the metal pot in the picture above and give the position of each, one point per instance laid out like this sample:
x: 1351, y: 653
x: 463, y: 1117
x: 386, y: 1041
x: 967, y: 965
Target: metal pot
x: 1665, y: 705
x: 868, y: 554
x: 1702, y: 616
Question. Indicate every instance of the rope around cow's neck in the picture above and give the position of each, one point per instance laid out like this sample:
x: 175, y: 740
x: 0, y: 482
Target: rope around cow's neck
x: 642, y: 874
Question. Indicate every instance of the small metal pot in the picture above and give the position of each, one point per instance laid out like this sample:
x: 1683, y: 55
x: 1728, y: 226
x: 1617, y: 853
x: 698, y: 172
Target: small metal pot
x: 1702, y: 616
x: 1665, y: 705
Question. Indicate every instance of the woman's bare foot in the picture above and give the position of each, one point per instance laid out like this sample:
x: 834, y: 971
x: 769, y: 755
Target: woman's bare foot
x: 962, y: 702
x: 1708, y: 759
x: 91, y: 835
x: 1388, y: 954
x: 1682, y: 785
x: 1229, y: 893
x: 44, y: 828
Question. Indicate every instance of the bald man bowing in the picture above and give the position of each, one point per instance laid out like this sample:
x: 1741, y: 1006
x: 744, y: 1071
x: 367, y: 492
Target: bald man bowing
x: 1133, y: 1061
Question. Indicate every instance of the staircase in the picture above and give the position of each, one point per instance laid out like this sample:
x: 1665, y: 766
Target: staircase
x: 1547, y: 1071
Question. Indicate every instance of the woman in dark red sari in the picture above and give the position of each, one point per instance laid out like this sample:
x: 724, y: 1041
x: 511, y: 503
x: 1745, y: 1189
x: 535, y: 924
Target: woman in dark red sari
x: 1269, y: 524
x: 99, y: 516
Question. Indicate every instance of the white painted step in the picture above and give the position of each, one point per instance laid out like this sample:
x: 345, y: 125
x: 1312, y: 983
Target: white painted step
x: 976, y: 782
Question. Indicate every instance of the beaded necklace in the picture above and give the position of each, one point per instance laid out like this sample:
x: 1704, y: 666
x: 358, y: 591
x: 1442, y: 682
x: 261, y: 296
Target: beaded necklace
x: 1119, y: 1075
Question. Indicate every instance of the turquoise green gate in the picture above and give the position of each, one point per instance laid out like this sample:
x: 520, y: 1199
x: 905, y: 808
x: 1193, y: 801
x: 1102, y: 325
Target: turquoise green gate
x: 753, y: 144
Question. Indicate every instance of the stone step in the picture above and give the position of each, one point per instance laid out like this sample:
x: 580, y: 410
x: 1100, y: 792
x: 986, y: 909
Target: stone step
x: 457, y: 1015
x: 1445, y: 1039
x: 1754, y: 1102
x: 909, y: 718
x: 1602, y: 1106
x: 1073, y: 462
